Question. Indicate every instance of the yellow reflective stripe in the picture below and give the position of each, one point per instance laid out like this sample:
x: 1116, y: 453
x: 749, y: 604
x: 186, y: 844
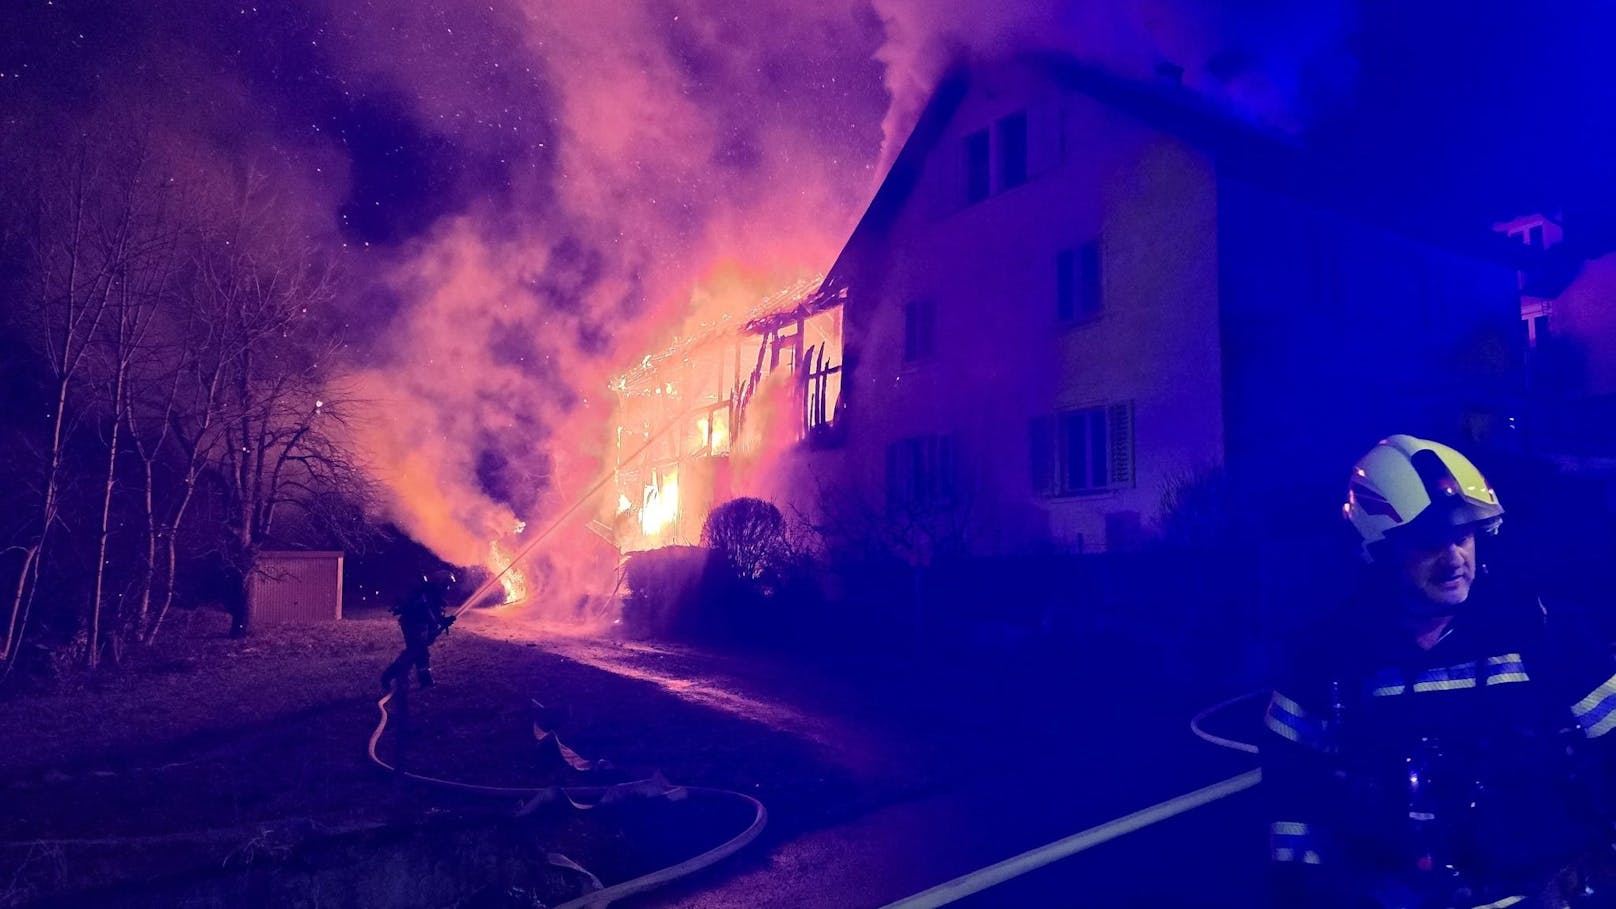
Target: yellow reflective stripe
x: 1506, y: 658
x: 1389, y: 690
x: 1289, y: 828
x: 1504, y: 678
x: 1594, y: 698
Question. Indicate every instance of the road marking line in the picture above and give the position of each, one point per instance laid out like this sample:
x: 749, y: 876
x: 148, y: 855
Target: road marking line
x: 965, y: 885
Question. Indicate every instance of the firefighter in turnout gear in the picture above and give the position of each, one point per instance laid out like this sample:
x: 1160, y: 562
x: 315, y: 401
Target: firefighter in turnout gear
x: 1442, y: 742
x: 421, y: 617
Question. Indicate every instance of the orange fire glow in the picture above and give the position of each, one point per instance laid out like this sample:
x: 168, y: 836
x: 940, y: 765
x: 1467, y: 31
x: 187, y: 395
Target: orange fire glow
x: 661, y: 505
x: 513, y: 581
x: 702, y: 421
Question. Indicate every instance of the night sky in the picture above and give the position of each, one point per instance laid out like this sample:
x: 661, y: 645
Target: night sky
x: 523, y: 194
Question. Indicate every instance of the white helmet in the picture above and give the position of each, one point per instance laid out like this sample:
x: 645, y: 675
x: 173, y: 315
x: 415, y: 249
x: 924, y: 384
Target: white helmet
x: 1407, y: 481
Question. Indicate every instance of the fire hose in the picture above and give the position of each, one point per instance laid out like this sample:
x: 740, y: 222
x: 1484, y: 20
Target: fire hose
x: 584, y: 798
x: 1218, y: 740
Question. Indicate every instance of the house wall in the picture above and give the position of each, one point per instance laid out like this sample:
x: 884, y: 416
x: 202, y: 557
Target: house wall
x: 1003, y: 357
x: 1584, y: 316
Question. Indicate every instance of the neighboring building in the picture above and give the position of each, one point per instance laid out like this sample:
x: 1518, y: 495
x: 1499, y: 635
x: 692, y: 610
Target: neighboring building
x: 1072, y: 292
x: 1568, y: 322
x: 296, y: 586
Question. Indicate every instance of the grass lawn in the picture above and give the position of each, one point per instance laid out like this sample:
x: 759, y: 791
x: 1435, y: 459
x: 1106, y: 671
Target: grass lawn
x: 204, y: 747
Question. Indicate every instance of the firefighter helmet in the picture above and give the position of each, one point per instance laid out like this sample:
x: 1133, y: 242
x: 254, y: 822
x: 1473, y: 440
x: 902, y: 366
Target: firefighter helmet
x: 443, y: 579
x: 1405, y: 484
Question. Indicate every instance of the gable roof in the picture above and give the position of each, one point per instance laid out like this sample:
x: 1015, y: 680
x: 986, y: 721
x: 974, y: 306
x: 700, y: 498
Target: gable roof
x: 1239, y: 149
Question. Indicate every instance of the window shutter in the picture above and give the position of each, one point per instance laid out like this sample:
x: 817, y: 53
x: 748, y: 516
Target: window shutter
x: 1066, y: 285
x: 1091, y: 278
x: 978, y: 170
x: 894, y: 497
x: 1012, y: 136
x: 949, y: 182
x: 1119, y: 418
x: 1041, y: 454
x: 1074, y: 451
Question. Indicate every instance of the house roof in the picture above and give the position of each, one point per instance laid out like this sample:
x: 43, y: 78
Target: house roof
x: 1239, y: 148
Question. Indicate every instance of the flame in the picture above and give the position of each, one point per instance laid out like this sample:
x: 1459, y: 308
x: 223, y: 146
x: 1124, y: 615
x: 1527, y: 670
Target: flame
x: 513, y: 581
x: 661, y: 506
x: 754, y: 363
x: 720, y: 436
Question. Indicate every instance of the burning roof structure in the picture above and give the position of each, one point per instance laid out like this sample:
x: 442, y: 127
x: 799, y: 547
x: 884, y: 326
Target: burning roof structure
x: 704, y: 419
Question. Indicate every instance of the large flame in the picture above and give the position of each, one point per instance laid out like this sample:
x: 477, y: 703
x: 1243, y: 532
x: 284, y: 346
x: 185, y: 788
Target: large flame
x: 753, y: 369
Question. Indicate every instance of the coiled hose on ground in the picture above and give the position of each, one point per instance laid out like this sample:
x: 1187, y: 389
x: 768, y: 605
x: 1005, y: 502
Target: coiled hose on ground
x: 583, y: 797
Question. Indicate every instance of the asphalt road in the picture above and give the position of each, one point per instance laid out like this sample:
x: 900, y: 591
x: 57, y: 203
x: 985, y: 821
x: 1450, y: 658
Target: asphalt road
x: 963, y: 783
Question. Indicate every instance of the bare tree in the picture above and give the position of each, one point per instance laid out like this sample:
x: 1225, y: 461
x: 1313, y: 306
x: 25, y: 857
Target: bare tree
x: 283, y: 414
x: 137, y: 286
x: 80, y: 231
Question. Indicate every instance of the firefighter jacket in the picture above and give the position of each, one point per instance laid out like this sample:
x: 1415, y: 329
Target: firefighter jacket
x: 1486, y: 753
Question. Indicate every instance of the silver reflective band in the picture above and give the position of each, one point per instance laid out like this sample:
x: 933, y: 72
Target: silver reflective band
x: 1495, y: 670
x: 1288, y: 720
x: 1596, y: 713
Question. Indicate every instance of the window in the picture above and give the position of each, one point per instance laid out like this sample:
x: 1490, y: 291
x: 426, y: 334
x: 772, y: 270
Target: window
x: 921, y: 472
x: 1082, y: 451
x: 1534, y: 324
x: 999, y: 158
x: 919, y: 331
x: 1012, y: 132
x: 978, y: 167
x: 1077, y: 282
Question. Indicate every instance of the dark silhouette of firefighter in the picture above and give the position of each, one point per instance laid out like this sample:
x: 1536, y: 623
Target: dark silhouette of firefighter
x: 421, y: 617
x: 1443, y: 741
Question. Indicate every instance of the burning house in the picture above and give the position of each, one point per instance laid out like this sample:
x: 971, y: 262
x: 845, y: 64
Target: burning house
x: 1072, y: 292
x: 713, y: 415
